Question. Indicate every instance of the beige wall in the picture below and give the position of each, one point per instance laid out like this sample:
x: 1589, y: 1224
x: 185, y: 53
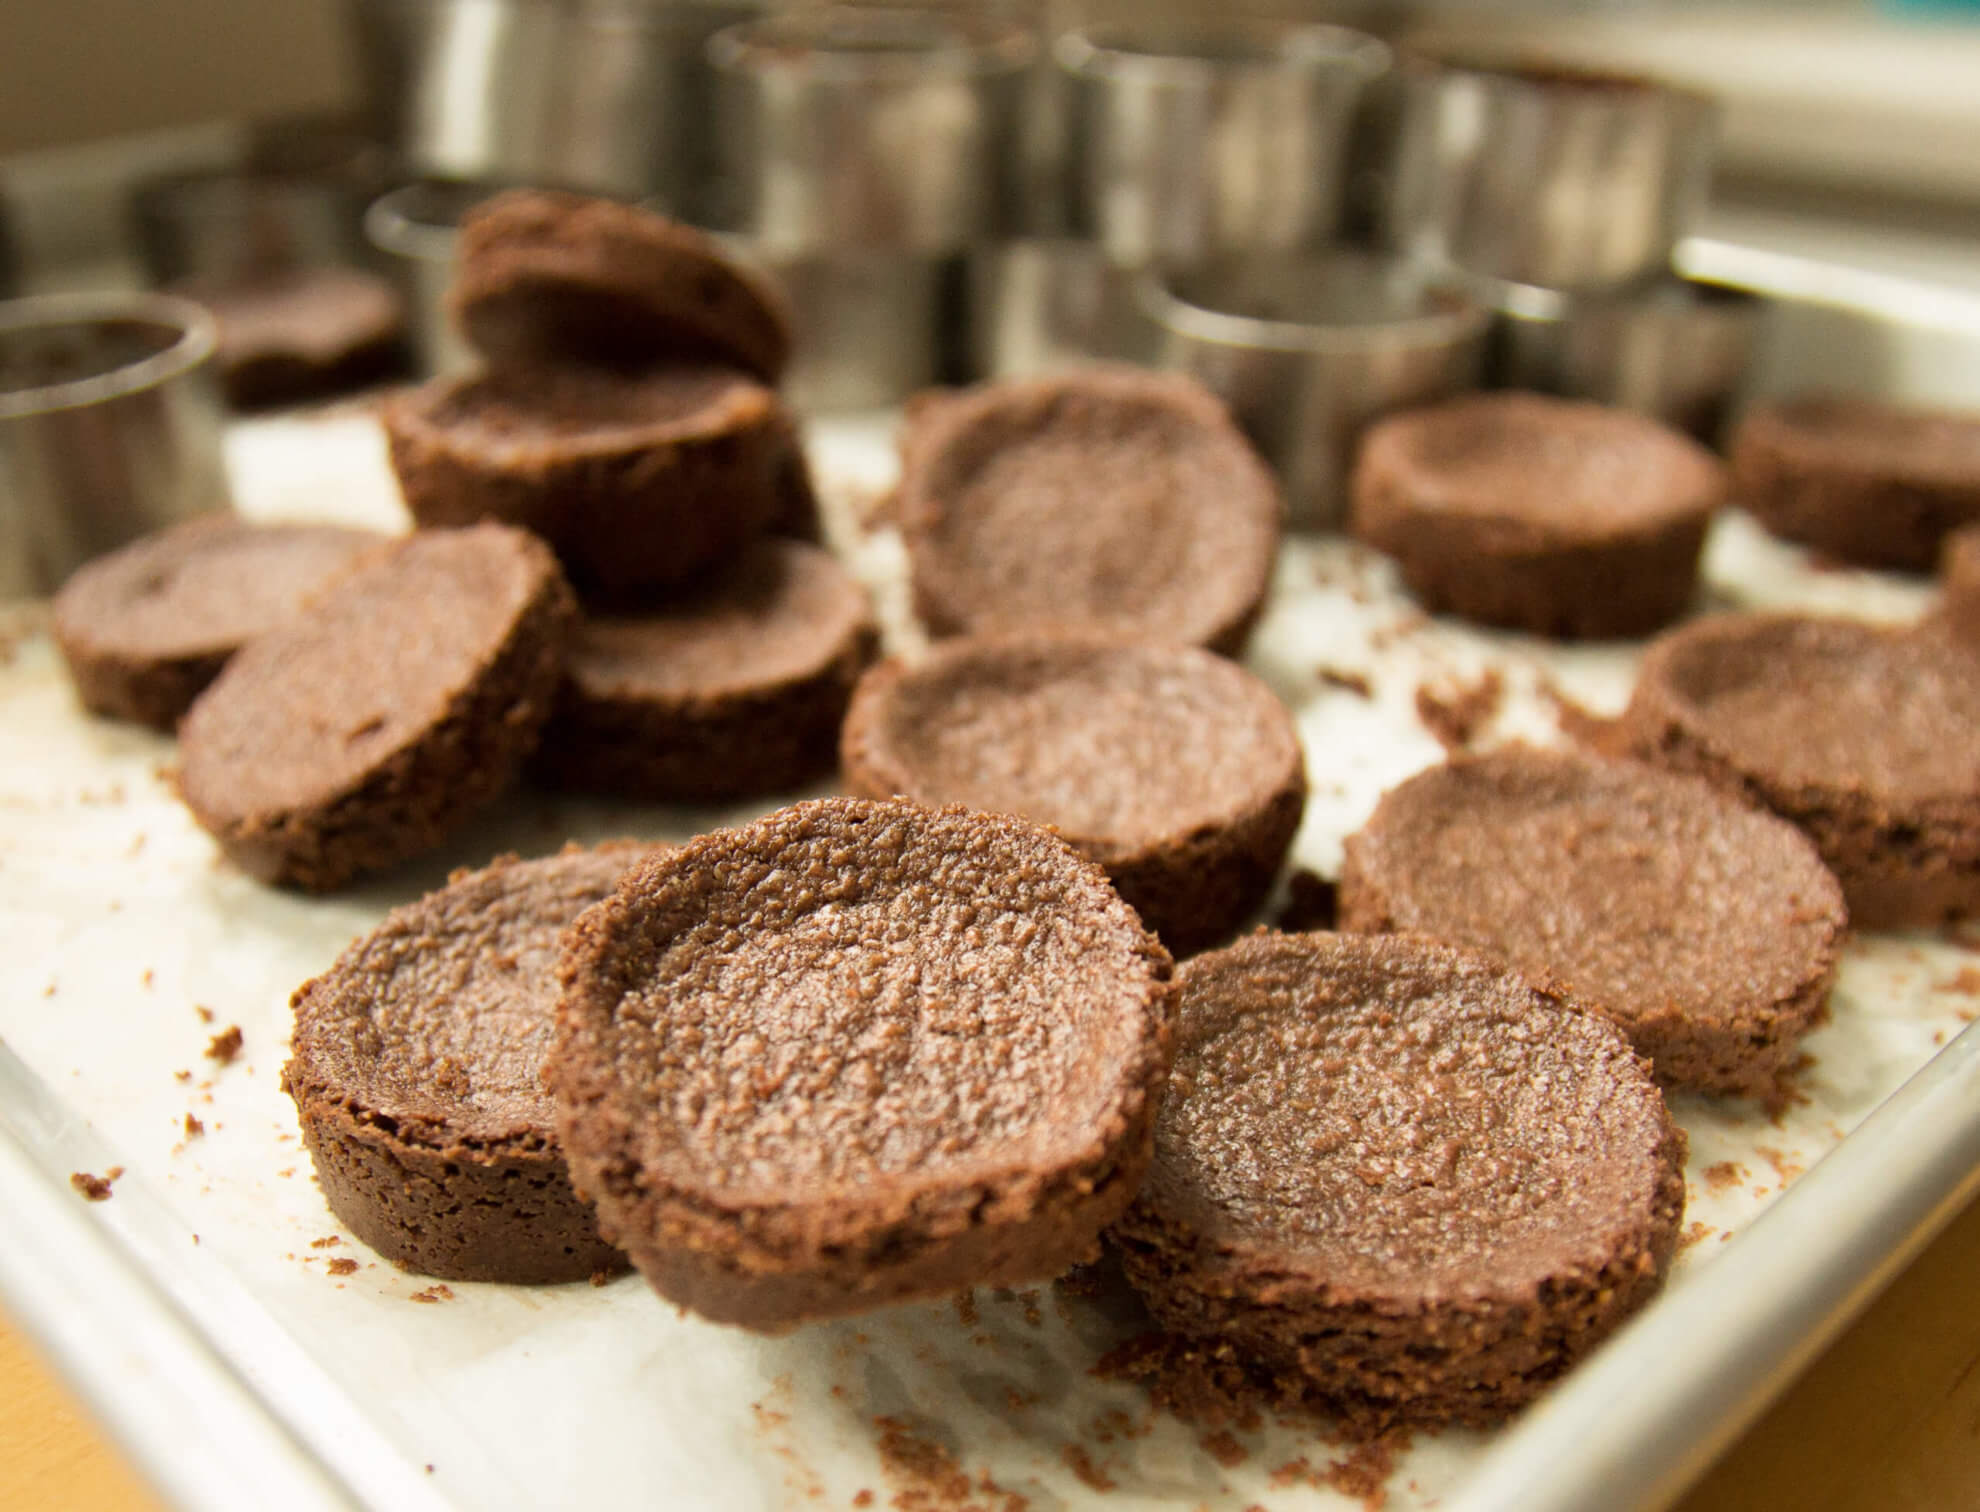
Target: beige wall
x: 78, y: 70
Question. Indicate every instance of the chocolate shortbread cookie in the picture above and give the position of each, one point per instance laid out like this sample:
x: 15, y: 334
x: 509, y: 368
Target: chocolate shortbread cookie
x: 416, y: 1078
x: 1863, y: 480
x: 303, y: 334
x: 544, y: 277
x: 1866, y: 737
x: 1398, y: 1179
x: 638, y: 482
x: 856, y: 1053
x: 146, y: 628
x: 737, y: 688
x: 1548, y: 515
x: 1107, y: 499
x: 1177, y: 771
x: 403, y: 699
x: 1708, y: 930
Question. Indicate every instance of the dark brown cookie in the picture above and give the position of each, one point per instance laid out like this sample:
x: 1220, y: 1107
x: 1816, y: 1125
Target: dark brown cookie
x: 736, y: 689
x: 637, y: 481
x: 544, y: 277
x: 1865, y: 481
x: 1101, y: 500
x: 1708, y: 930
x: 1399, y: 1180
x: 416, y: 1076
x: 303, y: 334
x: 146, y: 628
x: 1177, y: 771
x: 404, y: 698
x: 1548, y: 515
x: 856, y: 1053
x: 1867, y: 738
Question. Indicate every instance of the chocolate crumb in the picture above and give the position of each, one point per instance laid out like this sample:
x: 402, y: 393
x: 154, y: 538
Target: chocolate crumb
x: 225, y: 1045
x: 1456, y: 715
x: 1080, y: 1462
x: 95, y: 1188
x: 601, y: 1277
x: 1225, y: 1448
x: 194, y: 1127
x: 1724, y: 1176
x: 1353, y: 682
x: 343, y: 1265
x: 1312, y: 902
x: 966, y: 1313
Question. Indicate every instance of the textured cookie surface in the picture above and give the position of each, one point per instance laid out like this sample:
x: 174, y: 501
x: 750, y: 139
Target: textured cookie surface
x: 1179, y: 772
x: 1106, y: 499
x: 146, y: 628
x: 858, y: 1052
x: 1867, y: 738
x: 1549, y: 515
x: 1398, y: 1176
x: 416, y: 1076
x: 1708, y: 930
x: 403, y: 699
x: 737, y: 687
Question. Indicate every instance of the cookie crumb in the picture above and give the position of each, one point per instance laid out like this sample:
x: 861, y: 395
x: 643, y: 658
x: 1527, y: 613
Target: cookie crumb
x: 95, y: 1188
x: 225, y: 1045
x: 1351, y: 682
x: 194, y: 1127
x: 343, y: 1265
x: 437, y: 1293
x: 1225, y: 1448
x: 1080, y: 1462
x: 601, y: 1277
x: 1456, y: 715
x: 205, y: 1013
x: 328, y: 1241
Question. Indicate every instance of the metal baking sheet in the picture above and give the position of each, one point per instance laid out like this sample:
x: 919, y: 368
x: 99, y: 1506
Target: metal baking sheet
x: 199, y: 1307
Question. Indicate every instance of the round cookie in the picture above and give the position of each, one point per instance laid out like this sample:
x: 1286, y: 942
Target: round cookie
x: 1177, y: 771
x: 637, y: 481
x: 1107, y: 499
x: 1397, y: 1179
x: 543, y: 277
x: 415, y: 1075
x: 1709, y: 931
x: 736, y: 689
x: 1865, y: 481
x: 370, y: 726
x: 1866, y: 737
x: 1547, y: 515
x: 303, y: 334
x: 146, y: 628
x: 855, y: 1053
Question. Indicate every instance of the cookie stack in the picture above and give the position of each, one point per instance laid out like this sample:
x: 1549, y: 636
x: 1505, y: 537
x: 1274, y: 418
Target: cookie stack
x: 627, y: 416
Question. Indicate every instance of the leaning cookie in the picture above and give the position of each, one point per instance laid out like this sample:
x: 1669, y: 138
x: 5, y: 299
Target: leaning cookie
x: 1176, y: 770
x: 1547, y: 515
x: 1708, y: 930
x: 858, y: 1053
x: 1866, y: 737
x: 1865, y: 481
x: 639, y: 482
x: 365, y: 730
x: 736, y: 688
x: 1106, y: 499
x: 543, y: 277
x: 416, y: 1079
x: 1402, y: 1184
x: 146, y: 628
